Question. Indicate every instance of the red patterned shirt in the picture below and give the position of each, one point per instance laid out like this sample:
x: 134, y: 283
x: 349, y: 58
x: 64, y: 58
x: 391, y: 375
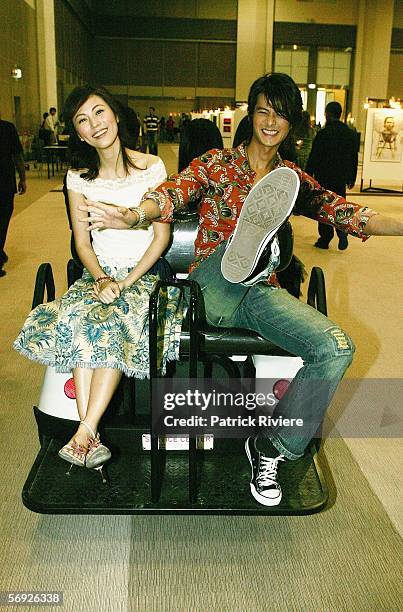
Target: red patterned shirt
x: 221, y: 180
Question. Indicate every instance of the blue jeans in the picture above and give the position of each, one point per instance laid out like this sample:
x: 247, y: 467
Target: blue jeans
x: 326, y: 350
x: 152, y: 143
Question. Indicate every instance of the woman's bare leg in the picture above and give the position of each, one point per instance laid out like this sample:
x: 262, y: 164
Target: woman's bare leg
x: 104, y: 382
x: 82, y: 382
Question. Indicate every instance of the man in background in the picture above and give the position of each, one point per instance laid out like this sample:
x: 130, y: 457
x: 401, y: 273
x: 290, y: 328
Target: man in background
x: 11, y: 159
x: 333, y: 162
x: 151, y: 122
x: 51, y: 124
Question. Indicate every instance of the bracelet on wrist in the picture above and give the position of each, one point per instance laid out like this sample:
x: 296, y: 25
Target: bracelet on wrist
x: 104, y: 278
x: 141, y: 216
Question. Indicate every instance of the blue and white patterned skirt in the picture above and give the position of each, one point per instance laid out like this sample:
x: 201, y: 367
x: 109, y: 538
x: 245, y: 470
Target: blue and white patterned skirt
x: 77, y: 330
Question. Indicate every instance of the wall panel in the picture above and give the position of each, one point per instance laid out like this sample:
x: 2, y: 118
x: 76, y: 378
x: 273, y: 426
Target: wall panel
x: 180, y: 67
x: 217, y: 65
x: 18, y: 46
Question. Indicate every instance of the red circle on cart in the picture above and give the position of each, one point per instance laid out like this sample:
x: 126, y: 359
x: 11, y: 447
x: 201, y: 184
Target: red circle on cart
x: 280, y: 388
x: 70, y: 389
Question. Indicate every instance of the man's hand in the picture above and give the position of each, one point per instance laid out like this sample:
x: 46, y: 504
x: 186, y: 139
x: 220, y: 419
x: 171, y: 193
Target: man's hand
x: 22, y: 186
x: 107, y: 291
x: 102, y: 216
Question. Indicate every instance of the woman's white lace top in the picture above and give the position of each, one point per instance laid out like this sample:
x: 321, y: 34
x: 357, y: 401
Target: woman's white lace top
x: 120, y: 248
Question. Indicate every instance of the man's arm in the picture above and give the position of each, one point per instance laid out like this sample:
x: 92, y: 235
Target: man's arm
x: 323, y: 205
x: 101, y: 215
x: 174, y: 193
x: 381, y: 225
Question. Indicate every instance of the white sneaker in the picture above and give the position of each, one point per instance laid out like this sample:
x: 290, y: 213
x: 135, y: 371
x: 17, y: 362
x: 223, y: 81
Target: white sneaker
x: 268, y: 204
x: 263, y: 485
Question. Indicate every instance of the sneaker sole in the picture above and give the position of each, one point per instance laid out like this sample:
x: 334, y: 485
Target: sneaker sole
x: 265, y: 501
x: 265, y: 209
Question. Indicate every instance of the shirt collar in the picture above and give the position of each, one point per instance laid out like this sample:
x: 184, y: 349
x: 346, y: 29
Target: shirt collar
x: 241, y: 159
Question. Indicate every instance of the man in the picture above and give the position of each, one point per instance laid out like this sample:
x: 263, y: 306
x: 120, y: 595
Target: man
x: 333, y: 162
x: 151, y: 126
x: 11, y: 158
x: 51, y: 124
x: 223, y: 179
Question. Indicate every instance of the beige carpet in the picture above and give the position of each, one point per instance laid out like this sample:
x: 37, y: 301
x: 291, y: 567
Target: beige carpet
x: 346, y: 558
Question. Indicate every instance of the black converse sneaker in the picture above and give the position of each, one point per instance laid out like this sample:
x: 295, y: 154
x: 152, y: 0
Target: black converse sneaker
x: 266, y: 207
x: 263, y: 485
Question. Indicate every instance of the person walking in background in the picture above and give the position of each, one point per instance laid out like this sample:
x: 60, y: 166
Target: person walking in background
x: 162, y: 129
x: 11, y: 159
x: 170, y: 128
x: 304, y: 135
x: 51, y: 124
x: 151, y: 122
x: 45, y: 134
x: 333, y: 162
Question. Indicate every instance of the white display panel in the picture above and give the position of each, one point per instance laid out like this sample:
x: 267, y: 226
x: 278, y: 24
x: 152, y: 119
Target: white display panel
x: 383, y: 150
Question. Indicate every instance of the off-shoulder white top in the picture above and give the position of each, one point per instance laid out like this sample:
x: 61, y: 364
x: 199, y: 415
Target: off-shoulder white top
x: 120, y: 248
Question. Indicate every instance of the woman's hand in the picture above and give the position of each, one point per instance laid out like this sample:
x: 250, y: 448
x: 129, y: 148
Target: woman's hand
x: 102, y: 215
x: 107, y: 291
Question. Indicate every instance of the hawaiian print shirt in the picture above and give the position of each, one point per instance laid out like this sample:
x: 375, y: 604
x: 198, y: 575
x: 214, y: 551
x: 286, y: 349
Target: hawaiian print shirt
x: 221, y: 180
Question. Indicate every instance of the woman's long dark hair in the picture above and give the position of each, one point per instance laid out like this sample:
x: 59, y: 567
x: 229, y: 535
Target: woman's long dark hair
x: 243, y: 132
x: 197, y: 137
x: 81, y: 154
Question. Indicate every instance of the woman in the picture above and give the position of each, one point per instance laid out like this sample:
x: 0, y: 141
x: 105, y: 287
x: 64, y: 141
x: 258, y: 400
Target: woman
x: 99, y: 328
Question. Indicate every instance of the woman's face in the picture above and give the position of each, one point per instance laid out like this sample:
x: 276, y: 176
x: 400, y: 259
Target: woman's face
x: 96, y: 123
x: 269, y: 128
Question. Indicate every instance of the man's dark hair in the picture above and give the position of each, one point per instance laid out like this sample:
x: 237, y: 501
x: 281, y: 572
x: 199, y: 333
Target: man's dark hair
x: 52, y: 108
x: 334, y: 110
x: 82, y: 155
x: 281, y: 92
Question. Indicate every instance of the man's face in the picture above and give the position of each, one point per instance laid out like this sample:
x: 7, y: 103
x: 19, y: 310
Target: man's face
x: 389, y: 123
x: 269, y: 128
x: 53, y: 112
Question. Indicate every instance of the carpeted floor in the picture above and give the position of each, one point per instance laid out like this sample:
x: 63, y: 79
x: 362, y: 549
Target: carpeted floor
x: 345, y: 558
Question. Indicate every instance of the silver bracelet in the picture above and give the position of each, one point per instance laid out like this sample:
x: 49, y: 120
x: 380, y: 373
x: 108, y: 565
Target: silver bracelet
x: 141, y: 214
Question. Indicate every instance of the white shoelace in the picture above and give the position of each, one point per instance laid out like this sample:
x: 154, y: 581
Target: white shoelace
x: 268, y: 470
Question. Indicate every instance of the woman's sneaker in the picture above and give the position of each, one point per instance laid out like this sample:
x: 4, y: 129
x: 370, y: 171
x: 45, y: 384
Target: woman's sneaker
x: 268, y: 204
x: 263, y: 485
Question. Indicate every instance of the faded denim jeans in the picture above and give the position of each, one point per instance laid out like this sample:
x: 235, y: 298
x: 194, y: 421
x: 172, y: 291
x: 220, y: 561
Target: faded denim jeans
x: 326, y: 350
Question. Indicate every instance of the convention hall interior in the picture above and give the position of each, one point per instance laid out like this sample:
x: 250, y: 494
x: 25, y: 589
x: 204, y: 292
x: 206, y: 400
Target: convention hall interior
x: 198, y: 58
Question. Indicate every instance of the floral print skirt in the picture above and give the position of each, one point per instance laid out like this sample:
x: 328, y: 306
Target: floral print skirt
x: 77, y: 330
